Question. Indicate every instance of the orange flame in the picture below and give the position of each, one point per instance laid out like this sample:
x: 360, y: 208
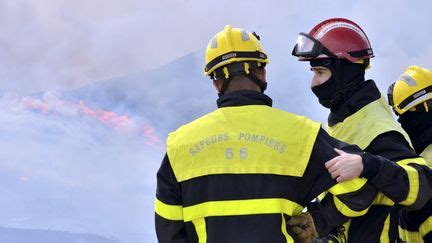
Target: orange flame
x: 111, y: 119
x: 107, y: 117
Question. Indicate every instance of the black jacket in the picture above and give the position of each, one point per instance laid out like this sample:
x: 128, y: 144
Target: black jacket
x: 220, y: 187
x: 395, y: 183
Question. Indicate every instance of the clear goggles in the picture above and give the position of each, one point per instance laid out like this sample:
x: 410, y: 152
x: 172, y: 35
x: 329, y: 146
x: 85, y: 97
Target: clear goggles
x: 309, y: 47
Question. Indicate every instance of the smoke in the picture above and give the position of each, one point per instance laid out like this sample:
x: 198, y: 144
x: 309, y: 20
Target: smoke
x: 68, y: 166
x: 67, y: 44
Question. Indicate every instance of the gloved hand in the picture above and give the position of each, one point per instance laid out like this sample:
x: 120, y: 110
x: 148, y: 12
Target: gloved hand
x: 303, y: 226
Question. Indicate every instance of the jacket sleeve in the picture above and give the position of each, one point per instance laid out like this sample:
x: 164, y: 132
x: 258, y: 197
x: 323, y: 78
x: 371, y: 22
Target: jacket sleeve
x: 354, y: 197
x: 407, y: 181
x: 168, y: 206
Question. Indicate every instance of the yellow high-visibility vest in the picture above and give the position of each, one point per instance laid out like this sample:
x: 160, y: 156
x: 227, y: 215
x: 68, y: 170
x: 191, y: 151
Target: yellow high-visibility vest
x: 365, y: 125
x: 241, y: 140
x: 361, y: 128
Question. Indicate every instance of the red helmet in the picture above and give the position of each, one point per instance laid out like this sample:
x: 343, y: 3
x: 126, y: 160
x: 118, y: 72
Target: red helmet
x: 335, y: 38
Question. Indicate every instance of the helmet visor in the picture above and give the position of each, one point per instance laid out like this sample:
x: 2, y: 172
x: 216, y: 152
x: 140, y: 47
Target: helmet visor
x: 309, y: 47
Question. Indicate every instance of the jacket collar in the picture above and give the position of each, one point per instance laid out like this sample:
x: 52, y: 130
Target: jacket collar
x: 365, y: 95
x: 244, y: 97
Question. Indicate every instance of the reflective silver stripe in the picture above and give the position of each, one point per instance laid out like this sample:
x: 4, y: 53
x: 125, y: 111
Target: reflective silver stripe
x: 213, y: 42
x: 245, y: 35
x: 408, y: 80
x: 417, y: 101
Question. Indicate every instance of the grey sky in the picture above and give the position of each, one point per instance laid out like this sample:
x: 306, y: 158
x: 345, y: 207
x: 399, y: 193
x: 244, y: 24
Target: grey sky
x: 60, y: 44
x: 67, y: 166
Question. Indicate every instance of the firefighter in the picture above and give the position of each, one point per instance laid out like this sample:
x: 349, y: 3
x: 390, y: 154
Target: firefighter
x: 339, y: 53
x: 411, y: 99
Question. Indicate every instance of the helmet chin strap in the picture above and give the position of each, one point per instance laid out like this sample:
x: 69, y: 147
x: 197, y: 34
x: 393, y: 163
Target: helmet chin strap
x: 250, y: 76
x: 225, y: 84
x: 255, y: 79
x: 227, y: 74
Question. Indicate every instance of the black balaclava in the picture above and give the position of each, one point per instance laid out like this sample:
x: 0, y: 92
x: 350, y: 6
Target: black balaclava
x: 418, y: 125
x: 346, y: 79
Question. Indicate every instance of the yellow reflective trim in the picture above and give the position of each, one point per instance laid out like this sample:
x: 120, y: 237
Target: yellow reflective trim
x: 347, y: 186
x: 225, y: 71
x: 322, y: 196
x: 384, y: 238
x: 403, y: 234
x: 413, y: 178
x: 426, y: 227
x: 200, y: 228
x: 410, y: 236
x: 381, y: 199
x: 416, y: 236
x: 345, y: 210
x: 288, y: 237
x: 243, y: 140
x: 241, y: 207
x: 347, y: 226
x: 246, y: 67
x: 418, y: 161
x: 171, y: 212
x: 413, y: 185
x: 376, y: 118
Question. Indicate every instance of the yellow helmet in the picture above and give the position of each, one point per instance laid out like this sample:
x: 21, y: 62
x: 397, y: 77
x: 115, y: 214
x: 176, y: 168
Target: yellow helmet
x: 233, y: 45
x: 414, y: 87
